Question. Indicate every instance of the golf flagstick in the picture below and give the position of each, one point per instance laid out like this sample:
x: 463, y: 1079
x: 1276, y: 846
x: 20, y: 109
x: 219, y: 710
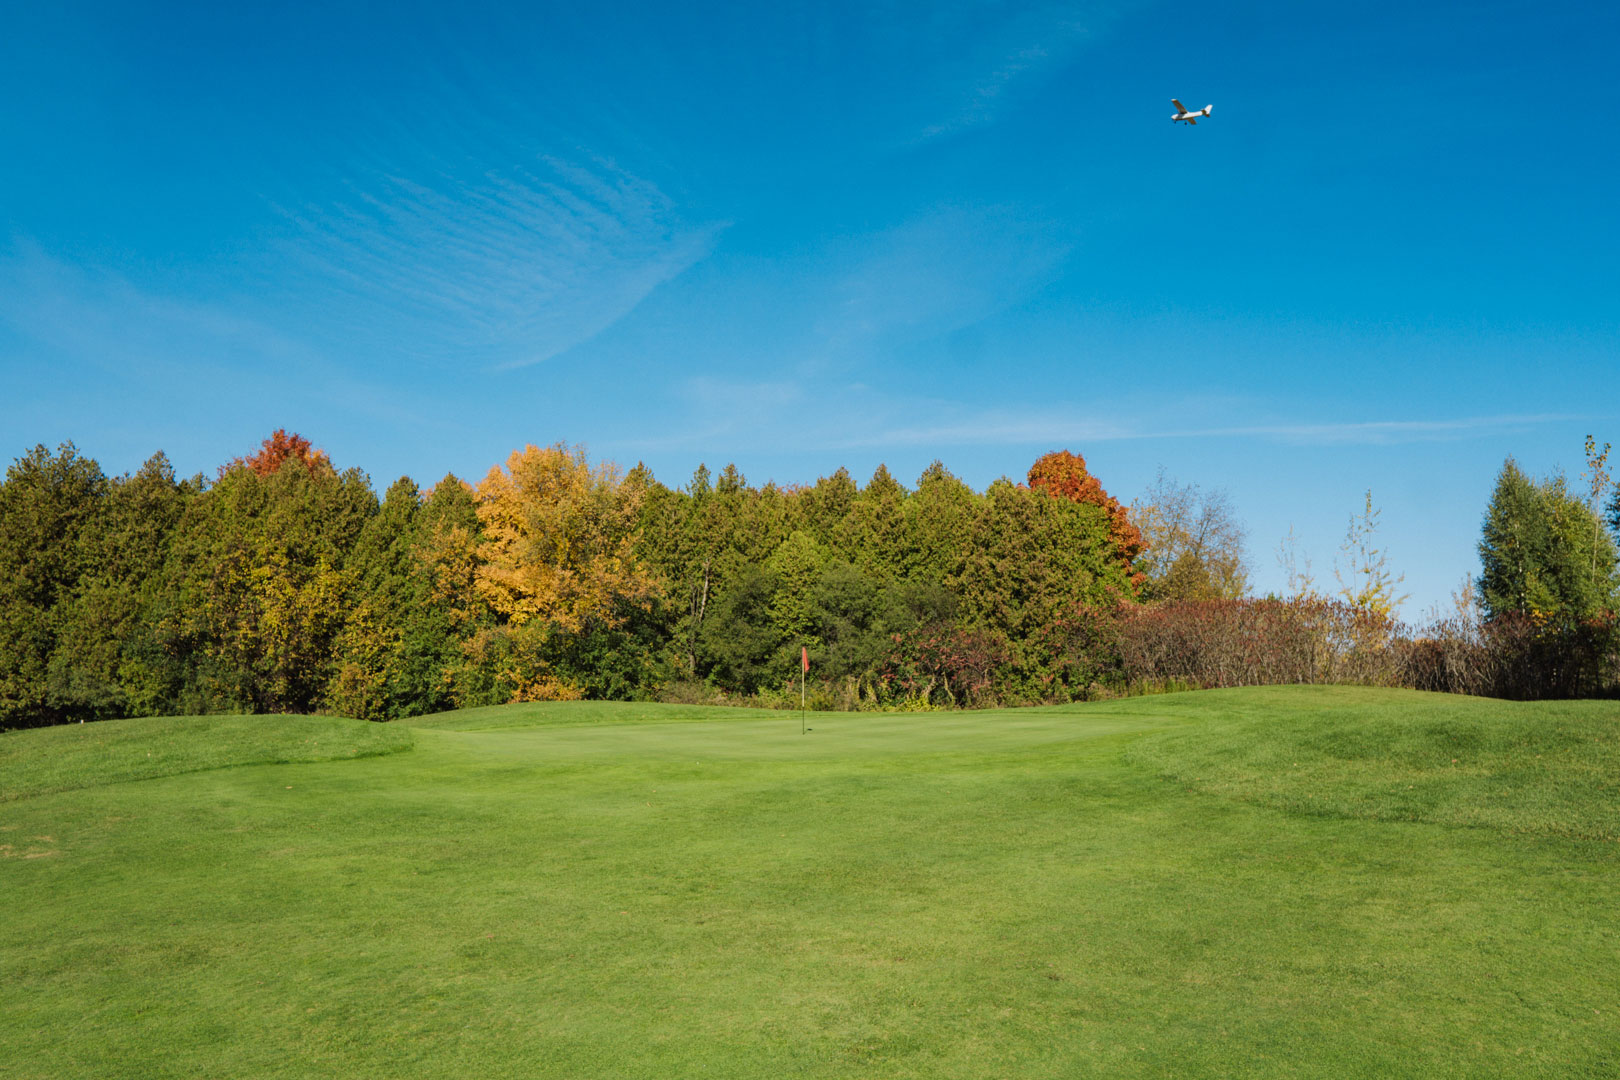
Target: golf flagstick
x: 804, y: 669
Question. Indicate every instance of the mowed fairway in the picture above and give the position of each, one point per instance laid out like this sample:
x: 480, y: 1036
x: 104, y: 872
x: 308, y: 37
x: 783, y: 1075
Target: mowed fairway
x: 1301, y: 882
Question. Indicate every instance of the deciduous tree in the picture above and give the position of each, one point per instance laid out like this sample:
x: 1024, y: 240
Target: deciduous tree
x: 1365, y: 579
x: 1193, y: 543
x: 559, y: 539
x: 262, y: 588
x: 280, y: 447
x: 1063, y: 475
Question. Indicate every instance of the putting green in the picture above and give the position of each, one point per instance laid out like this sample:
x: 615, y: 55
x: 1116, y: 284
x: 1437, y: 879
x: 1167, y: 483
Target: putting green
x: 1127, y: 888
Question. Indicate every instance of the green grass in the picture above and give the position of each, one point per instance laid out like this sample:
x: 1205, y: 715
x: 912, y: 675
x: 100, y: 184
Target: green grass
x: 89, y: 755
x: 1546, y: 768
x: 1137, y: 888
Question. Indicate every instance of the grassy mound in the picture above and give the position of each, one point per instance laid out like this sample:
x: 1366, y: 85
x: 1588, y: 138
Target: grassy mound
x: 1540, y: 768
x: 89, y: 755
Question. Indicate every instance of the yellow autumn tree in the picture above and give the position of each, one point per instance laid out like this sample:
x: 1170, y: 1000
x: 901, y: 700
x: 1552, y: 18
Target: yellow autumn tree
x: 558, y: 540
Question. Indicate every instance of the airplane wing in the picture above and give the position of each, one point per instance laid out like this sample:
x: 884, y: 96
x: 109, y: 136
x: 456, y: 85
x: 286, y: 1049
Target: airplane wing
x: 1179, y: 106
x: 1191, y: 121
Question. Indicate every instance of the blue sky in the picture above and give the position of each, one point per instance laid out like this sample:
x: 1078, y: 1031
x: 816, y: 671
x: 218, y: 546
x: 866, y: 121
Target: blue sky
x: 799, y: 237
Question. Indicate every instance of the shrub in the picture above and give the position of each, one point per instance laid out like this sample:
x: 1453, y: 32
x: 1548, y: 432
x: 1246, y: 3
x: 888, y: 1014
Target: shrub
x: 1256, y: 642
x: 1515, y: 656
x: 941, y: 661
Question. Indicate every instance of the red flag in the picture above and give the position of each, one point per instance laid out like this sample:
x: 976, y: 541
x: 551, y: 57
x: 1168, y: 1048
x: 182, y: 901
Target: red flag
x: 804, y: 658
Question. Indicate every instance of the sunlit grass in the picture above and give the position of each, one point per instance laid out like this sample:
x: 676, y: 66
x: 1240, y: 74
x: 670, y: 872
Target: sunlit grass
x: 88, y: 755
x: 1118, y: 889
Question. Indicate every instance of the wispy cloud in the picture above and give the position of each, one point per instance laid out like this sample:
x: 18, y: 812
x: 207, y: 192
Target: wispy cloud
x: 510, y: 264
x: 101, y: 326
x: 945, y: 269
x: 1380, y: 432
x: 1006, y: 52
x: 1008, y: 428
x: 787, y: 414
x: 104, y: 319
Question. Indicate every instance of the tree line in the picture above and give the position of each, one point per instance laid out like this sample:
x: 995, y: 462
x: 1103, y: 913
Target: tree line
x: 284, y: 584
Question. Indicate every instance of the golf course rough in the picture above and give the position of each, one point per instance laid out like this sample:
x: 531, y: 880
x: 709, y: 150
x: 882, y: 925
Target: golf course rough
x: 1291, y: 882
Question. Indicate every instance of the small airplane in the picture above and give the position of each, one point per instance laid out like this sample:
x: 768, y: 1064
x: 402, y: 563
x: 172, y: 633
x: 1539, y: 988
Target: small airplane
x: 1182, y: 113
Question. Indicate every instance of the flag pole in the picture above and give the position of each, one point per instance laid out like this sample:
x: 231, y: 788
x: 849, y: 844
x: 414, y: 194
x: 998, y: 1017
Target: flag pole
x: 804, y: 666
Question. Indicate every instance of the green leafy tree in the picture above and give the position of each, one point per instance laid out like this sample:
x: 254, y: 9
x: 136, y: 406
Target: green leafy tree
x: 741, y: 640
x: 1540, y: 553
x: 259, y: 568
x: 824, y: 509
x: 1032, y: 559
x: 860, y: 615
x: 877, y: 532
x: 386, y: 665
x: 675, y: 549
x: 285, y: 585
x: 1612, y: 513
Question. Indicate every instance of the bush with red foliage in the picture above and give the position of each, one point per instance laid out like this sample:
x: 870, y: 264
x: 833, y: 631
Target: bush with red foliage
x: 956, y: 662
x: 1257, y: 642
x: 1076, y: 657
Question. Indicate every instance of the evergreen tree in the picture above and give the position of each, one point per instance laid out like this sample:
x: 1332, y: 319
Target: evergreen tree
x: 1541, y: 553
x: 939, y: 524
x: 824, y: 508
x: 877, y: 533
x: 110, y: 657
x: 285, y: 585
x: 49, y: 508
x: 796, y: 566
x: 1612, y: 513
x: 1032, y: 560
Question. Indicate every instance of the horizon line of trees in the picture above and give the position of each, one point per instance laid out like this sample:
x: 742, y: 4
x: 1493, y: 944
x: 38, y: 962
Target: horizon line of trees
x: 283, y: 584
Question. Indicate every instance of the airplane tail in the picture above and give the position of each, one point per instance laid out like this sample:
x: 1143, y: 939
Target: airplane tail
x: 1207, y: 109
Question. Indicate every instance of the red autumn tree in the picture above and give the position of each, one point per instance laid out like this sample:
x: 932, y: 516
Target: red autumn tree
x: 1063, y: 475
x: 278, y: 448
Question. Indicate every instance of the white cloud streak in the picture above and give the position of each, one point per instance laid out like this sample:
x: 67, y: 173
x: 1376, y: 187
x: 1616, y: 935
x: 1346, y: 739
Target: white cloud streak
x: 1020, y: 50
x: 1003, y: 428
x: 944, y: 270
x: 103, y: 319
x: 94, y: 321
x: 511, y: 265
x: 791, y: 415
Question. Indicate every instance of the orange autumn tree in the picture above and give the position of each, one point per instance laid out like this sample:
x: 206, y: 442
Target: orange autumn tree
x: 280, y: 447
x: 1063, y: 475
x: 558, y: 540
